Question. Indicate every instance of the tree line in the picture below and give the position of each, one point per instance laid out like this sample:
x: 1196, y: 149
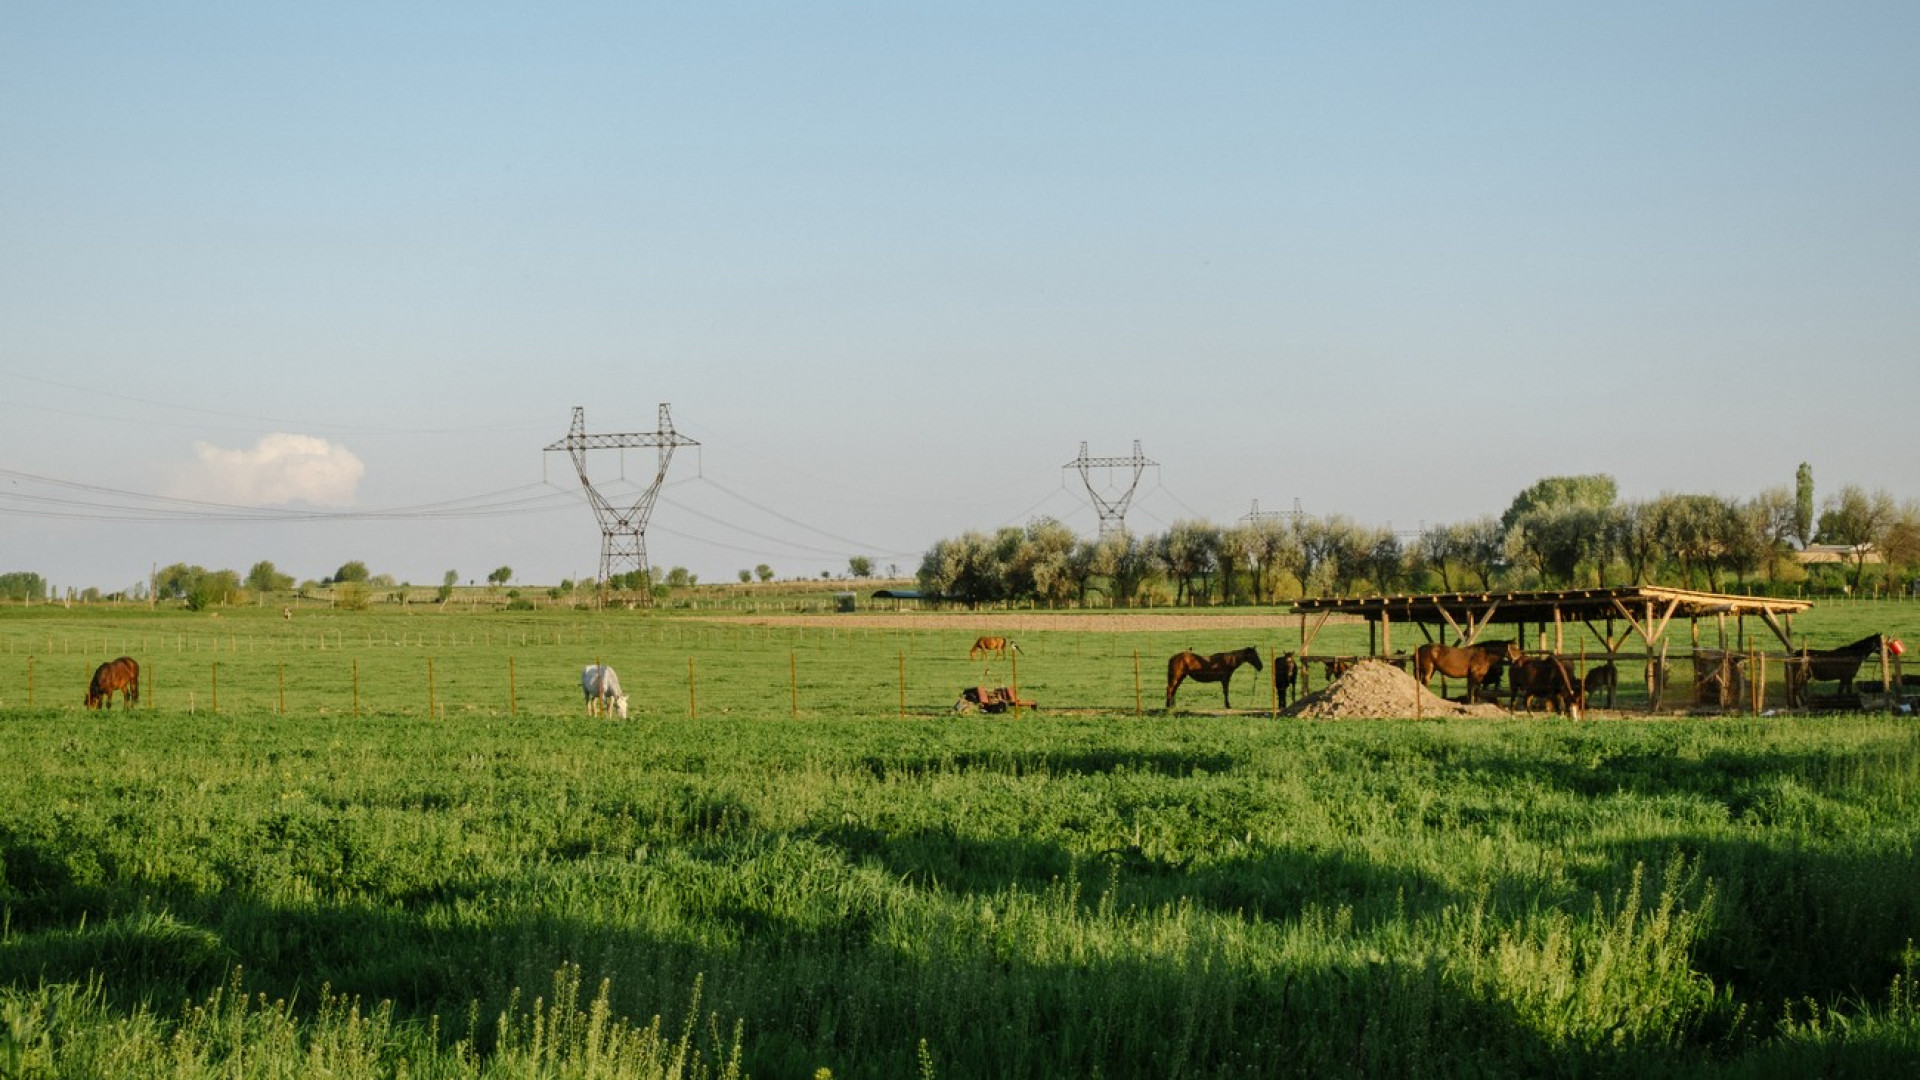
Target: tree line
x: 1560, y: 532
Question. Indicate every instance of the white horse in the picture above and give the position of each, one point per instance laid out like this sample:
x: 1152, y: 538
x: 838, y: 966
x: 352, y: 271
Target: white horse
x: 602, y: 688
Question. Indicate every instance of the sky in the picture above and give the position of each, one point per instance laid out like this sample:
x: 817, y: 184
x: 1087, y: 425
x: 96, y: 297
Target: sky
x: 311, y: 283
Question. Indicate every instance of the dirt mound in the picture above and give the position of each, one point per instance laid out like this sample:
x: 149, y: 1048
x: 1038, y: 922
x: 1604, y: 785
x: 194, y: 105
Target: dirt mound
x: 1375, y: 689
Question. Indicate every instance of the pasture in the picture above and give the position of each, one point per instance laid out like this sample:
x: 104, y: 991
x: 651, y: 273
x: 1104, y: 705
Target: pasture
x: 395, y: 844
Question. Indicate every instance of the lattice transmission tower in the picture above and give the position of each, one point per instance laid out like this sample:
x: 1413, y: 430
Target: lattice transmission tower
x: 623, y: 531
x: 1256, y: 515
x: 1112, y: 510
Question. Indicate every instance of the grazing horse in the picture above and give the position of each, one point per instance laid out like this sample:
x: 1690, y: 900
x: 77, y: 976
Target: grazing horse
x: 602, y: 688
x: 122, y: 675
x: 1286, y: 675
x: 1838, y: 664
x: 991, y: 646
x: 1546, y: 678
x: 1479, y: 664
x: 1216, y: 668
x: 1605, y: 677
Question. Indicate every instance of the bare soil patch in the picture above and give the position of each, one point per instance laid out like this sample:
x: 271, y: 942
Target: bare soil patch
x: 1373, y: 689
x: 1118, y: 622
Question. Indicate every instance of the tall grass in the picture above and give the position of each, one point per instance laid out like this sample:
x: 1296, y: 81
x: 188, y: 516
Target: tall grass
x: 529, y: 894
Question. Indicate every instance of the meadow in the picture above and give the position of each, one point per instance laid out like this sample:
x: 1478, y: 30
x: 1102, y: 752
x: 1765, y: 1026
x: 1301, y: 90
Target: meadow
x: 389, y: 844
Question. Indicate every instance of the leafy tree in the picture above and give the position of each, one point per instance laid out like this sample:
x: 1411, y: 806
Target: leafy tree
x: 1558, y: 523
x: 1436, y: 549
x: 1636, y: 537
x: 1482, y: 551
x: 1125, y: 561
x: 1773, y: 517
x: 681, y: 578
x: 763, y: 572
x: 1189, y: 553
x: 1316, y: 542
x: 1044, y: 562
x: 266, y: 578
x: 1350, y: 545
x: 447, y: 582
x: 860, y: 566
x: 746, y: 577
x: 1803, y: 504
x: 1858, y: 520
x: 352, y: 571
x: 1268, y: 545
x: 962, y: 568
x: 1386, y: 561
x: 1595, y: 491
x: 1900, y: 544
x: 500, y: 576
x: 22, y: 585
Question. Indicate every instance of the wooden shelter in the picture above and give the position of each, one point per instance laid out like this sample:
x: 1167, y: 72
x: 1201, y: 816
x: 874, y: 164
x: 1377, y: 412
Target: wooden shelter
x: 1645, y: 610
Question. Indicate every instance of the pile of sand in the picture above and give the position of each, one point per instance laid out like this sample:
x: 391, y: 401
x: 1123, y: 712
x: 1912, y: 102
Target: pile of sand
x: 1376, y: 689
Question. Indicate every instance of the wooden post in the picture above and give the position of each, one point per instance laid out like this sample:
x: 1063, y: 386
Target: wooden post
x: 1015, y: 677
x: 1886, y: 677
x: 1136, y: 684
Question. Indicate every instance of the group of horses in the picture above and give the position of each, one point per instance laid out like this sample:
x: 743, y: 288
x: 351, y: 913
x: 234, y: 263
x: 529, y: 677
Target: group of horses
x: 1532, y: 679
x: 1481, y: 665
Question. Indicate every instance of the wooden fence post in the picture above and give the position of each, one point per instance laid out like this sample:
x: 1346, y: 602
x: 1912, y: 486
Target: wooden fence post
x: 1015, y: 677
x: 1136, y: 684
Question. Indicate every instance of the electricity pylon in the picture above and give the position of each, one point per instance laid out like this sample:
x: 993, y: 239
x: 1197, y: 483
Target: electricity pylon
x: 1112, y: 512
x: 623, y: 532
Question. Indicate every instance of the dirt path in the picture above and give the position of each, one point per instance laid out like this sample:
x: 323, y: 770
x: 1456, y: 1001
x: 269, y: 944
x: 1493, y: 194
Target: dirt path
x: 1138, y: 622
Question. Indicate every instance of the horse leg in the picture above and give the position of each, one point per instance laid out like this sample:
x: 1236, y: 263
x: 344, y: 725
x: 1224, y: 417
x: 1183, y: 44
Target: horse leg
x: 1172, y: 685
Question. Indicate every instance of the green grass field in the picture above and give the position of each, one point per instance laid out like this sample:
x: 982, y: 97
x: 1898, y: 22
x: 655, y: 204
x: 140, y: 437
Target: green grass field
x: 767, y: 871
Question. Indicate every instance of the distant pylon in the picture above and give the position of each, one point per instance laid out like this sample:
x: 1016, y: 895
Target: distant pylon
x: 1258, y: 515
x: 1112, y: 511
x: 623, y: 532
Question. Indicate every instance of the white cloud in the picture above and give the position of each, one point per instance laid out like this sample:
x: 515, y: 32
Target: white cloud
x: 280, y: 468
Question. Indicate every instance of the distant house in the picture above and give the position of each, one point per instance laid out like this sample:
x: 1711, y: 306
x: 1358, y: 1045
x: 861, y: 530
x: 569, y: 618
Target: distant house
x: 1814, y: 554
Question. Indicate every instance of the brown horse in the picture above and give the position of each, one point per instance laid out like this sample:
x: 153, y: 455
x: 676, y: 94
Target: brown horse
x: 121, y: 675
x: 1286, y: 674
x: 1604, y: 677
x: 991, y: 646
x: 1479, y: 664
x: 1546, y: 678
x: 1216, y: 668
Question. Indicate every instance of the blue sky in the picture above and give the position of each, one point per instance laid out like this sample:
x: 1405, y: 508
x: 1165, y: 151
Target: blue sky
x: 891, y: 266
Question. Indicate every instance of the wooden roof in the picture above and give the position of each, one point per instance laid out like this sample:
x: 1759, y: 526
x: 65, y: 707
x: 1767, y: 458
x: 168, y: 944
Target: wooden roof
x: 1647, y: 608
x: 1536, y: 605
